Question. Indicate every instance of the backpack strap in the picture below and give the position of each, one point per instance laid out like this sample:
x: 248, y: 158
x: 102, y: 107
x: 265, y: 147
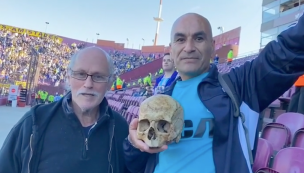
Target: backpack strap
x: 235, y: 99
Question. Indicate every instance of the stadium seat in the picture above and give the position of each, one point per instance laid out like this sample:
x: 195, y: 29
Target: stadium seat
x: 278, y: 135
x: 286, y: 97
x: 120, y: 107
x: 294, y: 122
x: 298, y: 140
x: 263, y: 154
x: 288, y: 160
x: 274, y: 105
x: 129, y: 114
x: 135, y: 112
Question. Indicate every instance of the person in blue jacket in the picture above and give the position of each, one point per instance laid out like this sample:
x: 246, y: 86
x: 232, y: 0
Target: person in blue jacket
x: 57, y: 97
x: 213, y: 139
x: 168, y: 77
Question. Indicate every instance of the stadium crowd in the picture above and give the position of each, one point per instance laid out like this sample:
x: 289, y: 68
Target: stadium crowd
x: 16, y: 51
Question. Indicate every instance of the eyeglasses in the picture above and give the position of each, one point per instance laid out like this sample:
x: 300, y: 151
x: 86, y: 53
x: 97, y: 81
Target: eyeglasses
x: 83, y: 76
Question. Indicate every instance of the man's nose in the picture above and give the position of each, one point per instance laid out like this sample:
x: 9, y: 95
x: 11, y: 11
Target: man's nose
x: 189, y: 47
x: 88, y: 82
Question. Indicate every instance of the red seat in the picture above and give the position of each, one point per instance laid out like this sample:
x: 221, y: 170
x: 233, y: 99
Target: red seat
x: 298, y: 140
x: 277, y: 135
x: 263, y: 154
x: 129, y: 115
x: 288, y: 160
x: 294, y: 122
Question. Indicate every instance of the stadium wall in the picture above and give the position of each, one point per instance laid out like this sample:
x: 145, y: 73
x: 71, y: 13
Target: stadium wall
x: 231, y: 37
x: 142, y: 71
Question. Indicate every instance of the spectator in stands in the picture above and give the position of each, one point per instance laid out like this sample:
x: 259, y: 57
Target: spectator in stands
x: 124, y: 85
x: 217, y: 142
x: 297, y: 99
x: 33, y: 98
x: 216, y: 59
x: 119, y: 83
x: 136, y: 94
x: 161, y: 71
x: 139, y: 81
x: 142, y: 90
x: 168, y: 77
x: 148, y: 80
x: 57, y: 97
x: 37, y: 98
x: 148, y: 92
x: 230, y: 57
x: 79, y: 133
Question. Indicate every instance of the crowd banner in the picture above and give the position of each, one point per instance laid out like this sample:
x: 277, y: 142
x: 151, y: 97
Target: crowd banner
x: 23, y: 84
x: 29, y: 32
x: 4, y: 85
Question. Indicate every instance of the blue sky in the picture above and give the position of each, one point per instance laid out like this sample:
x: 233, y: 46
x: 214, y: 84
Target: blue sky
x: 120, y: 19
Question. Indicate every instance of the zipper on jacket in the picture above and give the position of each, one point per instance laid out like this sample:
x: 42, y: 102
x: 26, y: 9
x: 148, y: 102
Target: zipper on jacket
x: 86, y: 144
x: 110, y: 151
x: 31, y: 153
x: 85, y: 147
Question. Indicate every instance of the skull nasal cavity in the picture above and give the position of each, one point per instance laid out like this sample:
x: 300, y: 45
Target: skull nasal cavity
x: 151, y: 134
x: 163, y: 126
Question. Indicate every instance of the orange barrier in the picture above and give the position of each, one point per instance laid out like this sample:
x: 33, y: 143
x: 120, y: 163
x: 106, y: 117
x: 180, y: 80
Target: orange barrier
x: 300, y: 82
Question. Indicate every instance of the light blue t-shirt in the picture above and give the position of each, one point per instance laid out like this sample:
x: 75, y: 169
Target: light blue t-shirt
x: 193, y: 154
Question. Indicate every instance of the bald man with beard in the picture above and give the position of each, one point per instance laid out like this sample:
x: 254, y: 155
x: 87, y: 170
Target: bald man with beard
x: 79, y: 133
x: 213, y: 140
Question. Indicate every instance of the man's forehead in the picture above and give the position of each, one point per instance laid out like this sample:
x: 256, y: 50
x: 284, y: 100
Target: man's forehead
x: 94, y: 54
x: 191, y: 23
x: 167, y: 57
x: 91, y: 57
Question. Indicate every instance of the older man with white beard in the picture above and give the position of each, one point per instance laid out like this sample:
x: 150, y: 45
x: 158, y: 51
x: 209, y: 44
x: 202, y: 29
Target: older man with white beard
x: 79, y: 133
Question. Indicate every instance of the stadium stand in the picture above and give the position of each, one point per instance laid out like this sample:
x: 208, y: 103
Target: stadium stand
x: 15, y: 57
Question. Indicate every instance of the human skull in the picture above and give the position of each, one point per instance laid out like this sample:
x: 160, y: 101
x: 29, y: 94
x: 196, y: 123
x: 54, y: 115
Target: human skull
x: 161, y: 120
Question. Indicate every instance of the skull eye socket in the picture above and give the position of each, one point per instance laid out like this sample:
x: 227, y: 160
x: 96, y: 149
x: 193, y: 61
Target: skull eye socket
x: 144, y: 125
x: 163, y: 126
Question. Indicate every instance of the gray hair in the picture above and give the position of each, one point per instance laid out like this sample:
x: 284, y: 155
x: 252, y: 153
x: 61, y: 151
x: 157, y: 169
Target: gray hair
x: 75, y: 56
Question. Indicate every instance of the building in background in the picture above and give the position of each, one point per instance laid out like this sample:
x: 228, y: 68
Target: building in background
x: 277, y: 16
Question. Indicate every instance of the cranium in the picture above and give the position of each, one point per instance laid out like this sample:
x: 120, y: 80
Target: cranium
x: 161, y: 120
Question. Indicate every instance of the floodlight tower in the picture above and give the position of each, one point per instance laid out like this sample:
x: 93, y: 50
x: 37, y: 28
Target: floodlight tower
x: 158, y: 20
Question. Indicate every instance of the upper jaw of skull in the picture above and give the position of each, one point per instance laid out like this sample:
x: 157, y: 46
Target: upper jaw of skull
x: 154, y: 133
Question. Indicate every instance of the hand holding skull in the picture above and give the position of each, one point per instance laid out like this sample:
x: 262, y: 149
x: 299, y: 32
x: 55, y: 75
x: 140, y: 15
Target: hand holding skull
x: 160, y: 121
x: 139, y: 144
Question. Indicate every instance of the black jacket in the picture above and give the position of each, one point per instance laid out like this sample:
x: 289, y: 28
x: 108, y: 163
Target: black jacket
x: 257, y: 83
x: 29, y: 146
